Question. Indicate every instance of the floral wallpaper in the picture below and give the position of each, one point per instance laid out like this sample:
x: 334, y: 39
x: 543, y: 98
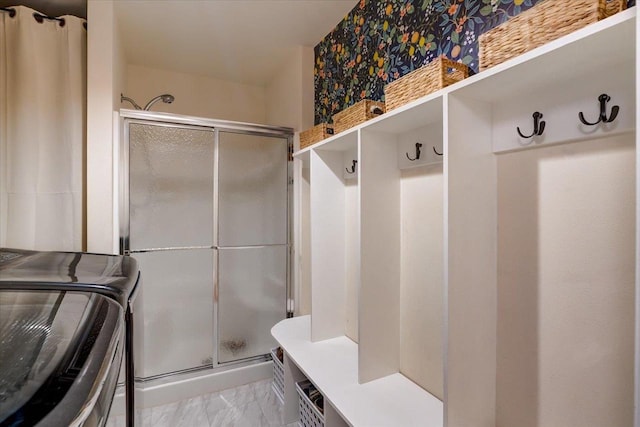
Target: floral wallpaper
x: 382, y: 40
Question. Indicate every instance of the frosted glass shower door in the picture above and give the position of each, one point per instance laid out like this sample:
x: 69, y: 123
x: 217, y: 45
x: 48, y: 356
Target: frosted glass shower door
x: 170, y: 186
x: 252, y: 190
x: 252, y: 242
x: 171, y: 180
x: 177, y: 307
x: 251, y: 299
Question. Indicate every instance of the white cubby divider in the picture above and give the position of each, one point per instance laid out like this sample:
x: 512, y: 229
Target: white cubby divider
x: 470, y: 264
x: 328, y: 250
x: 292, y: 375
x: 334, y: 232
x: 471, y: 260
x: 379, y: 301
x: 492, y: 285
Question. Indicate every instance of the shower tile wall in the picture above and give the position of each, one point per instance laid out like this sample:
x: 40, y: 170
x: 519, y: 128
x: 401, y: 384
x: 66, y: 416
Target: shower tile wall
x: 250, y: 405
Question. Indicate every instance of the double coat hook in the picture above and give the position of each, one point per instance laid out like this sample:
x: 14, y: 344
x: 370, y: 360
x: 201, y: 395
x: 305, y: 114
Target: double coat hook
x: 353, y: 167
x: 538, y: 126
x: 604, y: 117
x: 417, y: 156
x: 418, y: 146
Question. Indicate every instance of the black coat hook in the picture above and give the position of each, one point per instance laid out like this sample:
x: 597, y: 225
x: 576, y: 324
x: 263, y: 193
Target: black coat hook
x: 418, y: 146
x: 603, y: 99
x: 436, y: 151
x: 353, y: 167
x: 538, y: 126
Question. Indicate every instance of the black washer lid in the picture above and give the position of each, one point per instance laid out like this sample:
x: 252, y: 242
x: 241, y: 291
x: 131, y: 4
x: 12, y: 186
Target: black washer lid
x: 112, y: 275
x: 51, y: 346
x: 37, y: 331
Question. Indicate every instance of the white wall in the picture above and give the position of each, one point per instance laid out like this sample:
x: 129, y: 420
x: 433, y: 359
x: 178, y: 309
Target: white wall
x: 119, y: 65
x: 105, y: 79
x: 421, y: 278
x: 119, y: 85
x: 289, y: 102
x: 289, y: 94
x: 195, y: 95
x: 566, y: 285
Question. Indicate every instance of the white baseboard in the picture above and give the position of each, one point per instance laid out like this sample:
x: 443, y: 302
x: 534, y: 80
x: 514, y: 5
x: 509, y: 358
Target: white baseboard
x: 180, y: 387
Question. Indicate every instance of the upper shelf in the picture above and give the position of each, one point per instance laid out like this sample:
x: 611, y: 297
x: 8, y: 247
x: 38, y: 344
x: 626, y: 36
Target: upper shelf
x: 411, y: 116
x: 604, y: 46
x: 332, y: 365
x: 343, y: 141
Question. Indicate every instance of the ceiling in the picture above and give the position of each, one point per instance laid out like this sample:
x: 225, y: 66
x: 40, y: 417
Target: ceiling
x: 235, y: 40
x: 245, y: 41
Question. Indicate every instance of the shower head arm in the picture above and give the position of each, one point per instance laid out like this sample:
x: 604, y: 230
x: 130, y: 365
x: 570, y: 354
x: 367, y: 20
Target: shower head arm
x: 126, y: 98
x: 166, y: 98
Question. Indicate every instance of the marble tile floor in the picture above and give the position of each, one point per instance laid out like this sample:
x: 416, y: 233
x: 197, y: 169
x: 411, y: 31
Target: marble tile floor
x: 250, y: 405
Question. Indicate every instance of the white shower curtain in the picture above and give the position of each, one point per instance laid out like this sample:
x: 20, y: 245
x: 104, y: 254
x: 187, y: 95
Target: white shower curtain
x: 42, y: 131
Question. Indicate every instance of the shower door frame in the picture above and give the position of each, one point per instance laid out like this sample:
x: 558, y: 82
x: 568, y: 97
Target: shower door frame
x: 215, y: 126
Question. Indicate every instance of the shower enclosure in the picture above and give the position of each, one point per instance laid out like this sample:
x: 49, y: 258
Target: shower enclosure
x: 205, y: 211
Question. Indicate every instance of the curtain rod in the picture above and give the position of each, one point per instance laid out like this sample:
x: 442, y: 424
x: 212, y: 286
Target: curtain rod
x: 38, y: 16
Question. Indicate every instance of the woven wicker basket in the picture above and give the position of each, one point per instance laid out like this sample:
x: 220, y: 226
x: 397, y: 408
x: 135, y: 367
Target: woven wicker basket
x: 546, y: 21
x: 356, y: 114
x: 439, y: 73
x: 315, y: 134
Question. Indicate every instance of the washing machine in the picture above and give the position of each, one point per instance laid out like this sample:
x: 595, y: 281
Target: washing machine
x: 66, y: 320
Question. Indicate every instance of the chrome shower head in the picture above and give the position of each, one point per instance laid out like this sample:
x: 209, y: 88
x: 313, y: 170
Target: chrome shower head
x: 166, y: 98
